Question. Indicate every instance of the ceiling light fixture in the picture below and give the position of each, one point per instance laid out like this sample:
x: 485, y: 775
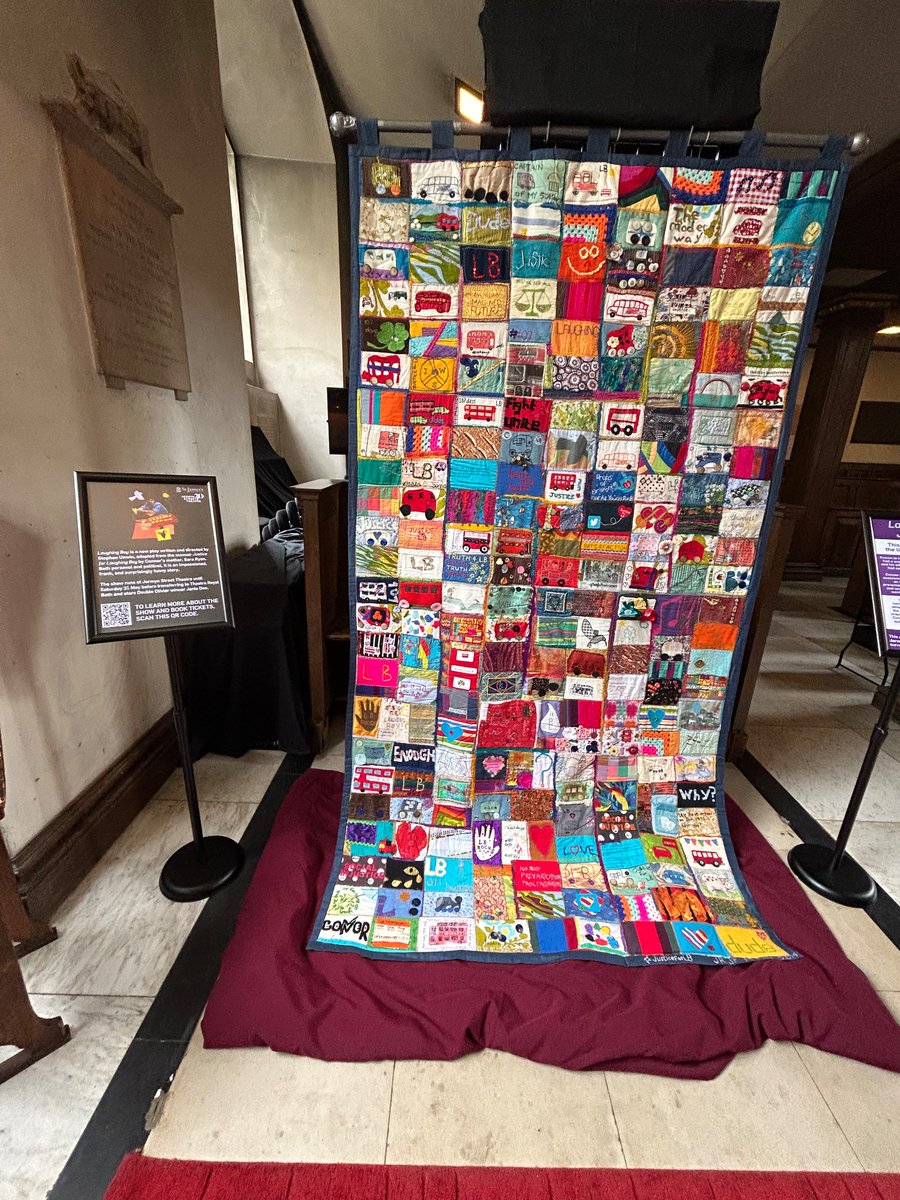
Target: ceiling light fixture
x: 468, y: 103
x: 890, y: 330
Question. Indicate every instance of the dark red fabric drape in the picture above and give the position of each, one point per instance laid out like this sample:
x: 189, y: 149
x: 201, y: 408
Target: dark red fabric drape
x: 682, y: 1020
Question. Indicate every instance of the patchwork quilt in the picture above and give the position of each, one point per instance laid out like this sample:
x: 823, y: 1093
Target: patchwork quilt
x: 572, y: 378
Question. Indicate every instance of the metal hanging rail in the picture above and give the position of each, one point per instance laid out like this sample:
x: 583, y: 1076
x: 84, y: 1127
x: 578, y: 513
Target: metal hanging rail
x: 343, y: 125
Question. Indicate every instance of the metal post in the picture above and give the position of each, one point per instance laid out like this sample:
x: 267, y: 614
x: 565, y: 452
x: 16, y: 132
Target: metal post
x: 344, y: 125
x: 833, y: 873
x: 179, y: 719
x: 207, y: 863
x: 876, y: 741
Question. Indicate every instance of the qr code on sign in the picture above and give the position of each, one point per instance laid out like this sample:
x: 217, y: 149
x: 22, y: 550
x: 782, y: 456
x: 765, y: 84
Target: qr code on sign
x: 114, y: 616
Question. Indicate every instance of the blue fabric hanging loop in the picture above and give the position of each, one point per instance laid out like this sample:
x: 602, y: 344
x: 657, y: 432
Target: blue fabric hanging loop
x: 520, y: 142
x: 441, y: 136
x: 596, y: 148
x: 677, y: 145
x: 367, y: 131
x: 752, y: 144
x: 834, y: 151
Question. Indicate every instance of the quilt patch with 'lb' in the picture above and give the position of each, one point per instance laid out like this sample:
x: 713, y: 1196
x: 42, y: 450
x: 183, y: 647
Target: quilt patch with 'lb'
x: 571, y: 381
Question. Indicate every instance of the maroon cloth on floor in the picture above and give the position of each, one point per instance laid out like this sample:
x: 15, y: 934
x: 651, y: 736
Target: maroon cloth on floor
x: 143, y: 1178
x: 682, y: 1020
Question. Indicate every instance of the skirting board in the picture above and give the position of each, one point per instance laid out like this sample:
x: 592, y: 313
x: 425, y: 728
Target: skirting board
x: 55, y: 861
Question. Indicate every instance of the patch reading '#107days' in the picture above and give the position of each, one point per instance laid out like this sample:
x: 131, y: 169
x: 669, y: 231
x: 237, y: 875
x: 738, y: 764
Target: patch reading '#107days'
x: 571, y: 385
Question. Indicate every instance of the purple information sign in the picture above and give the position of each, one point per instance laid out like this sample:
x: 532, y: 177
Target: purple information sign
x: 886, y: 549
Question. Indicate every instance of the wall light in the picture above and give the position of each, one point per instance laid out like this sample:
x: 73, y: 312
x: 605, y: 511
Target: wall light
x: 890, y: 330
x: 468, y: 103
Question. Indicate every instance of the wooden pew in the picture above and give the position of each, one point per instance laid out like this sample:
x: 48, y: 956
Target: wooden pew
x: 20, y: 1025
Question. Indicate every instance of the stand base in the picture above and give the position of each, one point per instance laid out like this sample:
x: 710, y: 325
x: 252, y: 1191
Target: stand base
x: 186, y: 876
x: 849, y: 884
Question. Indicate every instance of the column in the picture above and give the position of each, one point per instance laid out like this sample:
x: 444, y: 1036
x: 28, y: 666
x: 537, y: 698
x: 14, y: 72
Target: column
x: 847, y: 329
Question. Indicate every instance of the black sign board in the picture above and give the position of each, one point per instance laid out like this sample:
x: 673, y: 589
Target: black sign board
x: 881, y: 536
x: 152, y: 558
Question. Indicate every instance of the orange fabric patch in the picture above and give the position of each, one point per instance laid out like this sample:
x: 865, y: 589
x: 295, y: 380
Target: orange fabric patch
x: 576, y: 338
x: 582, y: 261
x: 709, y: 636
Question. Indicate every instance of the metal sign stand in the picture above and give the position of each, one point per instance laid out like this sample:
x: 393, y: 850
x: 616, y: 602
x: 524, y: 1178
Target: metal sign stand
x: 832, y: 872
x: 858, y: 624
x: 205, y: 864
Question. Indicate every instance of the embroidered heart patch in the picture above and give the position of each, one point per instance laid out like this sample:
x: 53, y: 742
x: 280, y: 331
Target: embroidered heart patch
x: 494, y: 764
x: 411, y: 840
x: 542, y: 839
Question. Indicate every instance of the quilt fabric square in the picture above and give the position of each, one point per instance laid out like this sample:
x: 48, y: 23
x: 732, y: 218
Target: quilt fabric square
x: 571, y: 383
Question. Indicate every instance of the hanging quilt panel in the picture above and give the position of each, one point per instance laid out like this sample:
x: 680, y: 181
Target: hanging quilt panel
x: 573, y: 377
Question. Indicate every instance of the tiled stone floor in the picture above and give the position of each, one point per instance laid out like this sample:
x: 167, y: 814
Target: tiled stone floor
x: 841, y: 1115
x: 119, y: 937
x: 810, y: 725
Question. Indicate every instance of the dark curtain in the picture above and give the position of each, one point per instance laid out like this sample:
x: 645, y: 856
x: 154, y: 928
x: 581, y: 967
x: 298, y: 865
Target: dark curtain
x: 668, y: 64
x: 248, y: 686
x: 274, y: 477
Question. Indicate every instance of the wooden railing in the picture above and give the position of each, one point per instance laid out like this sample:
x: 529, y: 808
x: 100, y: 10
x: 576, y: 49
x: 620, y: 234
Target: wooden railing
x: 324, y: 506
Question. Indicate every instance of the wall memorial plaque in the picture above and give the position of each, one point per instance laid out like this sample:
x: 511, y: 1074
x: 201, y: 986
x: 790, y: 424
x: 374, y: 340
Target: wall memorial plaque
x: 881, y: 532
x: 152, y: 557
x: 121, y: 221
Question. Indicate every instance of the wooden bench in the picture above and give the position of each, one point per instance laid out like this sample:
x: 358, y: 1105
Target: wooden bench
x: 20, y: 1026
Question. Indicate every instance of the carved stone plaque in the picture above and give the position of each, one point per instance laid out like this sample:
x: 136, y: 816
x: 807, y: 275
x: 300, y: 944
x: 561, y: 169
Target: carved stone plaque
x: 121, y: 220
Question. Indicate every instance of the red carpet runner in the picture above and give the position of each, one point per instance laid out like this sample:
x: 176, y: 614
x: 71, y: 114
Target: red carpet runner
x: 141, y: 1178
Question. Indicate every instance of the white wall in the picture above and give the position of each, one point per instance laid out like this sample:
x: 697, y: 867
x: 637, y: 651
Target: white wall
x: 293, y: 276
x: 279, y: 131
x: 269, y: 88
x: 66, y: 710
